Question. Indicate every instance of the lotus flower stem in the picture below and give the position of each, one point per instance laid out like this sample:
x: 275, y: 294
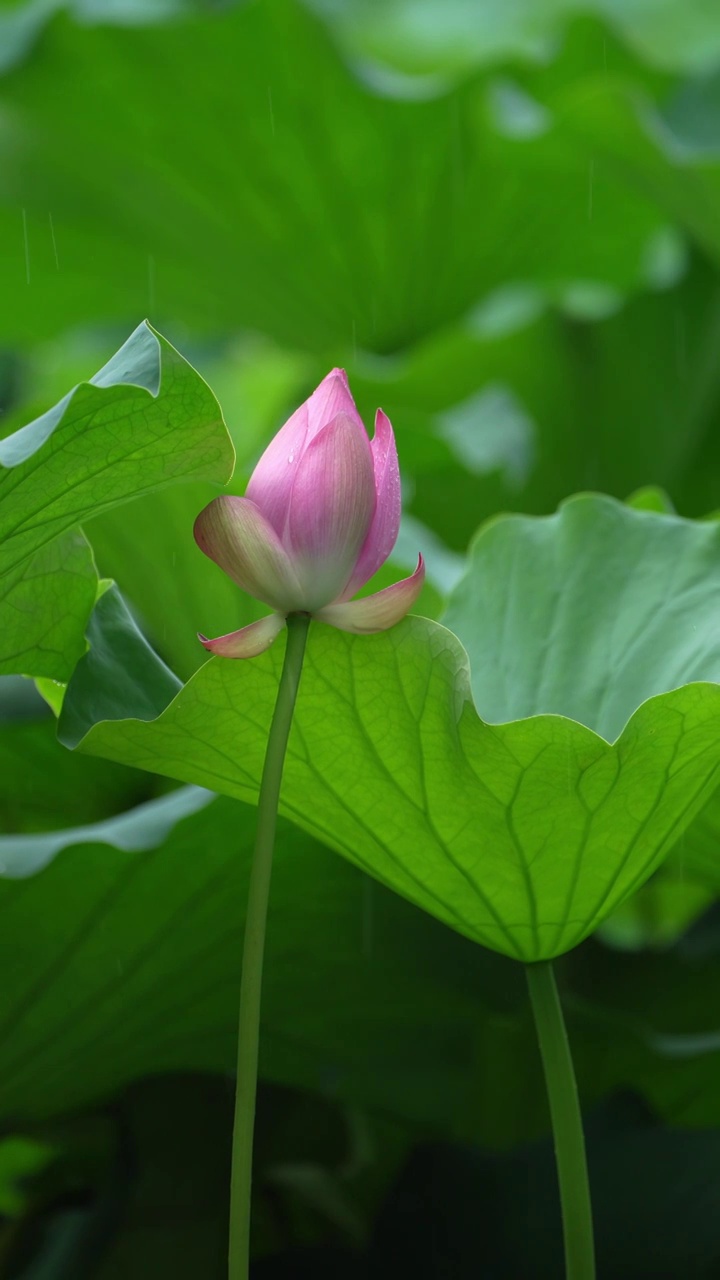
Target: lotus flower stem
x: 566, y: 1122
x: 254, y: 947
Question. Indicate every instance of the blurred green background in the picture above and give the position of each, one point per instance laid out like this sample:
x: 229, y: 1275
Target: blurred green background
x: 503, y: 219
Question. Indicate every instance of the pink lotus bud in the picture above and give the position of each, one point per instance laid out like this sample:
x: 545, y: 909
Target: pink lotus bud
x: 321, y: 514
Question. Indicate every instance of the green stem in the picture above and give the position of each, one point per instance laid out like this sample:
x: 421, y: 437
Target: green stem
x: 254, y: 947
x: 566, y: 1122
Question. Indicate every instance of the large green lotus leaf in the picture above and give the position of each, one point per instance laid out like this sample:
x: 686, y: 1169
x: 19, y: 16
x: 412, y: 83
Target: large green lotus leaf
x: 125, y: 935
x: 45, y: 606
x: 317, y: 230
x: 144, y: 421
x: 682, y: 890
x: 524, y: 835
x: 684, y: 887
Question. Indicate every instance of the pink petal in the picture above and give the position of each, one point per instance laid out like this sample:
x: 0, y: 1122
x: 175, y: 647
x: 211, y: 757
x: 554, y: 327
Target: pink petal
x: 386, y: 522
x: 233, y: 533
x: 331, y: 510
x: 248, y: 642
x: 331, y: 397
x: 272, y: 480
x: 378, y: 612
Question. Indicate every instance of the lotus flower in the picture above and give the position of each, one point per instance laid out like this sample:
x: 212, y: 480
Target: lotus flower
x: 320, y: 515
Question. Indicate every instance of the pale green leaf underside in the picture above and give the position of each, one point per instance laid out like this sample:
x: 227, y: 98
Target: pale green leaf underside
x: 522, y: 836
x: 142, y: 828
x: 430, y: 36
x: 145, y: 420
x: 588, y: 612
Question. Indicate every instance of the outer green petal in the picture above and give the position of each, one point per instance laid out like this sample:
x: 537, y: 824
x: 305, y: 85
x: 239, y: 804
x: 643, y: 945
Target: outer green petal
x: 235, y: 534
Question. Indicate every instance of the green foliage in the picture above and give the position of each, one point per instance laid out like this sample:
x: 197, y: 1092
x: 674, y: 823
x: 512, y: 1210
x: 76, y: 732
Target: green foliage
x: 504, y: 224
x: 20, y: 1158
x: 321, y: 235
x: 130, y: 938
x: 144, y: 421
x: 45, y: 605
x: 46, y: 789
